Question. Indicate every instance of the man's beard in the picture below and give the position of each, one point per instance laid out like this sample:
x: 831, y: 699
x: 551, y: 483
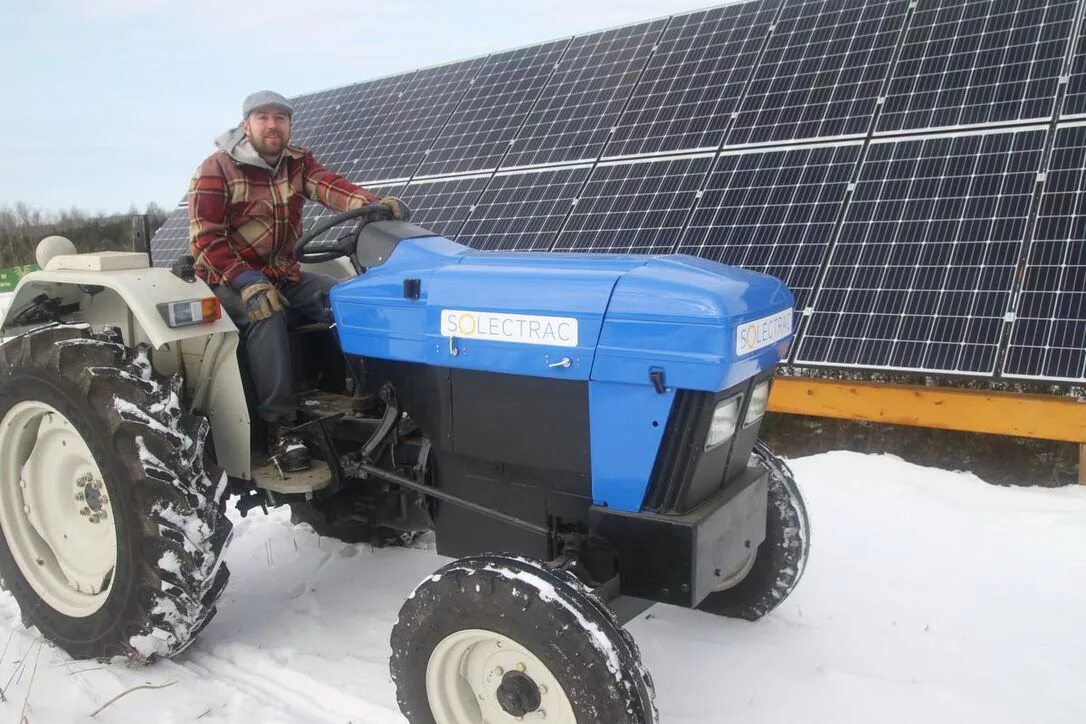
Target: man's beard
x: 264, y: 148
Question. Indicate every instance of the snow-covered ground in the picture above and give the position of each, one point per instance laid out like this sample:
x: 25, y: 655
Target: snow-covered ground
x: 930, y: 597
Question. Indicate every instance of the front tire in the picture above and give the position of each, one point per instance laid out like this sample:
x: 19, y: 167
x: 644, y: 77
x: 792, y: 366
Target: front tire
x: 774, y: 570
x: 491, y: 638
x: 113, y: 527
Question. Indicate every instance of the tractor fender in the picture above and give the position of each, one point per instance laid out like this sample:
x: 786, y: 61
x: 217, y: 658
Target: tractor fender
x: 140, y: 290
x: 118, y: 289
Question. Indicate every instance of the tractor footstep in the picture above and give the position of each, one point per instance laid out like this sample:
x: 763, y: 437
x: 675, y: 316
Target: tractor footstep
x: 268, y: 476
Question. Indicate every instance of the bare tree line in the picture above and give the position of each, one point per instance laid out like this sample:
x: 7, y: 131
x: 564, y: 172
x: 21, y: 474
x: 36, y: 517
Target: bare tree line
x: 22, y: 226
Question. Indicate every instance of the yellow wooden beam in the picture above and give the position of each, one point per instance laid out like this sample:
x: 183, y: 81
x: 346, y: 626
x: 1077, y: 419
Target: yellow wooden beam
x: 1000, y: 413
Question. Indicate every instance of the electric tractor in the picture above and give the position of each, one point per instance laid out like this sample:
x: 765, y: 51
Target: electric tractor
x: 579, y: 431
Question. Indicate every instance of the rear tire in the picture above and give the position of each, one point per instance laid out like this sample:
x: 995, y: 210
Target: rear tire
x: 137, y: 484
x: 489, y: 638
x: 780, y: 560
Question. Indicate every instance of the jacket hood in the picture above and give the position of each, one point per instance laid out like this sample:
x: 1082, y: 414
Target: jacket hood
x: 239, y: 148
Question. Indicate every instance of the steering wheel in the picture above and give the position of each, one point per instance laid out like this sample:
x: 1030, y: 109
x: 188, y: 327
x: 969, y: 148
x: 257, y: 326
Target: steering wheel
x: 344, y: 245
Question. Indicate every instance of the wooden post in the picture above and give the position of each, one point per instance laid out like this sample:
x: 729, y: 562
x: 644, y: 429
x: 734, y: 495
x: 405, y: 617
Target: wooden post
x: 1082, y: 463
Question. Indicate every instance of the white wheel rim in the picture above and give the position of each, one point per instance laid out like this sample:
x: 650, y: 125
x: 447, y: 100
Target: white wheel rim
x: 467, y: 667
x: 739, y: 574
x: 55, y: 510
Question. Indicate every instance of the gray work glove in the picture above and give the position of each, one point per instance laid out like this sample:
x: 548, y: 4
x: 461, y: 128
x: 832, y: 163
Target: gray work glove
x: 400, y: 210
x: 262, y: 300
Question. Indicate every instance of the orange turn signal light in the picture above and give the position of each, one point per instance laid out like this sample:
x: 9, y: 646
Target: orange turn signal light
x: 190, y: 311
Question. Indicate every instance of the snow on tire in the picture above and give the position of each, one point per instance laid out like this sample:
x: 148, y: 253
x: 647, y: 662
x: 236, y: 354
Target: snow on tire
x: 779, y: 562
x: 96, y: 454
x: 494, y: 637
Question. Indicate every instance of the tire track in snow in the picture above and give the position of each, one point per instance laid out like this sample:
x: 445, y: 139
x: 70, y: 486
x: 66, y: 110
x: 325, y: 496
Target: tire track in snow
x: 254, y: 671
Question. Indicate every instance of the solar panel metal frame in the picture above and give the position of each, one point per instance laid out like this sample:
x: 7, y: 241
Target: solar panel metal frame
x: 897, y: 103
x: 752, y: 124
x: 820, y: 309
x: 593, y: 89
x: 1035, y: 305
x: 468, y: 141
x: 416, y: 120
x: 669, y: 103
x: 616, y: 201
x: 512, y: 189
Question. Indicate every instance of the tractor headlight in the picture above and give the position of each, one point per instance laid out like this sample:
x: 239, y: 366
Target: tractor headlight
x: 725, y: 418
x: 759, y: 399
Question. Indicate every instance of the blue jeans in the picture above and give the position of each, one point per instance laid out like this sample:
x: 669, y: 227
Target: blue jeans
x: 267, y: 340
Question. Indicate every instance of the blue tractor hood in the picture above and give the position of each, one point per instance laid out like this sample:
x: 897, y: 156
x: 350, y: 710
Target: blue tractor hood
x: 601, y: 317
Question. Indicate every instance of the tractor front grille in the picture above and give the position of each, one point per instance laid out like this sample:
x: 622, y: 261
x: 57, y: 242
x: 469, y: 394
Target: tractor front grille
x: 685, y: 473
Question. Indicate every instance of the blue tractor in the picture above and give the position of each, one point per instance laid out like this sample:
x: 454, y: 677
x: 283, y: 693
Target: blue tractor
x: 580, y: 431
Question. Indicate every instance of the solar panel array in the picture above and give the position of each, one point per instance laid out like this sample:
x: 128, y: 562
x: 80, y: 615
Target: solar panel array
x: 915, y: 170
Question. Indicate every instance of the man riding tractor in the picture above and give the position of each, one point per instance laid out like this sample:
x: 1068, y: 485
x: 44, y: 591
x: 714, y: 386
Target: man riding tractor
x: 245, y: 214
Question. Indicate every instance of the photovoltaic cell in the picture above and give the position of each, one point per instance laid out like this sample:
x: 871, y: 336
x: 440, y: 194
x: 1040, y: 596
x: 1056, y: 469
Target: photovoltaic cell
x: 1074, y: 103
x: 1048, y: 337
x: 581, y: 102
x: 773, y: 212
x: 634, y: 207
x: 413, y: 122
x: 968, y: 62
x: 694, y: 80
x: 921, y: 275
x: 442, y: 206
x: 494, y: 107
x: 172, y: 239
x: 523, y: 211
x: 346, y: 120
x: 822, y: 72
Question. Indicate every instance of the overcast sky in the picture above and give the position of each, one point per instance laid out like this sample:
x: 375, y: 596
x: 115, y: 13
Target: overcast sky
x: 108, y: 103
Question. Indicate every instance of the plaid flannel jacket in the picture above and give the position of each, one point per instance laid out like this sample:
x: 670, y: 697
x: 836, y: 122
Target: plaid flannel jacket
x: 243, y: 217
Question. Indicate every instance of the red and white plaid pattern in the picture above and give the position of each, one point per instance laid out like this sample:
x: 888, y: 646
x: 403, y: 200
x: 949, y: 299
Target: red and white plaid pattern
x: 244, y: 217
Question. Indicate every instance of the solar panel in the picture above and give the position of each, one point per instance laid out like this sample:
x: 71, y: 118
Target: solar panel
x: 442, y: 206
x: 694, y: 80
x: 773, y: 211
x: 410, y: 126
x: 484, y: 123
x: 1074, y: 104
x: 634, y: 207
x: 921, y: 274
x: 969, y: 62
x: 172, y: 239
x: 581, y: 102
x: 348, y: 119
x: 883, y: 157
x: 1048, y: 337
x: 523, y: 210
x: 822, y: 72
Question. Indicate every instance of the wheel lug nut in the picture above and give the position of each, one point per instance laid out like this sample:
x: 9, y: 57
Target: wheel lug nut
x: 542, y: 714
x: 84, y: 511
x: 81, y: 495
x: 521, y: 667
x: 26, y: 509
x: 498, y: 671
x: 542, y: 689
x: 22, y: 484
